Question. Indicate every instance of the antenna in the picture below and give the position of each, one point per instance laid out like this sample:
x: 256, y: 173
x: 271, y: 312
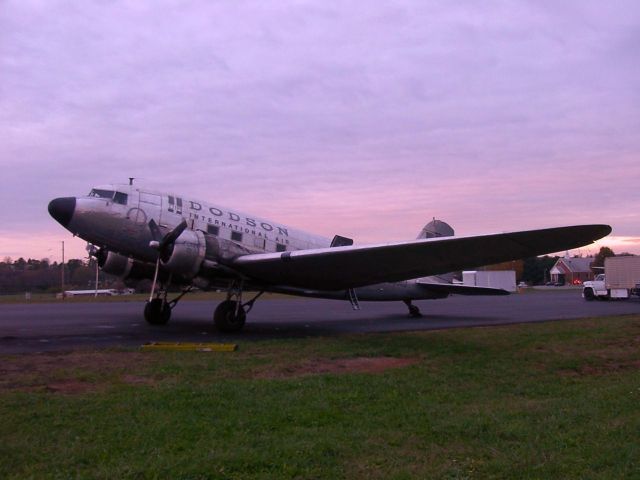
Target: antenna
x: 131, y: 179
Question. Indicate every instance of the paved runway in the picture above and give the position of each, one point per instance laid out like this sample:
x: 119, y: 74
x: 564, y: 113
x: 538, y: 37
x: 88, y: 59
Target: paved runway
x: 67, y: 326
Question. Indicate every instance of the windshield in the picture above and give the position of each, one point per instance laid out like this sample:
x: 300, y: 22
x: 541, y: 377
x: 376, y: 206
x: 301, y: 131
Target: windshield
x: 117, y: 197
x: 96, y: 192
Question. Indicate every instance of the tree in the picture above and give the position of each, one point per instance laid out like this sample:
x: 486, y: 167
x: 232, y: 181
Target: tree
x: 536, y: 268
x: 604, y: 252
x: 82, y: 277
x: 73, y: 264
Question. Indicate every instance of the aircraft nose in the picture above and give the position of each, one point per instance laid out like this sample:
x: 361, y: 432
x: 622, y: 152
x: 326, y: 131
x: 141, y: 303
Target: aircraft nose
x: 62, y: 209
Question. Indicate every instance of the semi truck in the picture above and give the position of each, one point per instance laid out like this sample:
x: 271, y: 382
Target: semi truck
x: 621, y: 279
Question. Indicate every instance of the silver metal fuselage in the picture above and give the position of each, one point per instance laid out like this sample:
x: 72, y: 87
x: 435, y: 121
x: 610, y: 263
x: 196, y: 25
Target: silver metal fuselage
x: 124, y: 228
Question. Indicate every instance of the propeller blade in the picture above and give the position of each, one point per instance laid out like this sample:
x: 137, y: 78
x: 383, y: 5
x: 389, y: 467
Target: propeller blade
x: 155, y: 231
x: 155, y: 278
x: 172, y: 236
x: 164, y: 245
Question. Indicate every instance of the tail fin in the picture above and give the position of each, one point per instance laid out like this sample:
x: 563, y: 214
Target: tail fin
x: 436, y: 228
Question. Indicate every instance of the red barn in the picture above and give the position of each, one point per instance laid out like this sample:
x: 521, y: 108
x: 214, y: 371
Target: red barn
x: 572, y: 271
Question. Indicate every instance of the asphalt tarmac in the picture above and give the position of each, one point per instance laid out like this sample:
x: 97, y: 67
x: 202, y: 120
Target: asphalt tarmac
x: 63, y: 326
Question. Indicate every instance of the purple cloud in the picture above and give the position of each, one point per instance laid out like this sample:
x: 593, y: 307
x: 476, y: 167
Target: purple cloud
x: 364, y: 119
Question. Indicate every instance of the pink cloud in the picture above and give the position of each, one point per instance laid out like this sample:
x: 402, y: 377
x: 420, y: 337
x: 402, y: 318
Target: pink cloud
x: 362, y: 120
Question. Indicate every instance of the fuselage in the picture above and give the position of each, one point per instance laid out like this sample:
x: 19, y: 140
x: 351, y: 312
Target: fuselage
x: 116, y: 218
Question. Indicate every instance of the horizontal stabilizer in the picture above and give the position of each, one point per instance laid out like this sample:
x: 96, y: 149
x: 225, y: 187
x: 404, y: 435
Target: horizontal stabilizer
x: 455, y: 289
x: 340, y: 241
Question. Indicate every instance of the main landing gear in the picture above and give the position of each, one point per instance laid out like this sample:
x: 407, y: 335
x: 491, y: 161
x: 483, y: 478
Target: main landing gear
x: 230, y: 315
x: 157, y: 311
x: 414, y: 311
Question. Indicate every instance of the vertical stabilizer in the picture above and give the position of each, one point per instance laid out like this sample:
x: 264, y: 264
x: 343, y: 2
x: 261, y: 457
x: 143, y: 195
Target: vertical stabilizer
x: 436, y: 228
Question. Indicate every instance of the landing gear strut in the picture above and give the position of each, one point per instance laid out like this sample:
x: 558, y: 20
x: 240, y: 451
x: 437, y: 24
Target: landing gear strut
x: 230, y: 315
x: 414, y: 311
x: 157, y: 311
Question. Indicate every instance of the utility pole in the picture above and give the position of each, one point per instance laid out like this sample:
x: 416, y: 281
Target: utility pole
x: 97, y: 273
x: 62, y: 271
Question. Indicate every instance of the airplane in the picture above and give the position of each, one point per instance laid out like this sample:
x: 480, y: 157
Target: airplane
x: 179, y: 240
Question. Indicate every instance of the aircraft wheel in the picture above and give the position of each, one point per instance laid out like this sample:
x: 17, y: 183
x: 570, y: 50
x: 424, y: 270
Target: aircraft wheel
x: 589, y: 295
x: 225, y: 317
x: 157, y: 312
x: 414, y: 311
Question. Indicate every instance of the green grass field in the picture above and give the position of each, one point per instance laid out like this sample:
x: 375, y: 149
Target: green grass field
x: 554, y: 400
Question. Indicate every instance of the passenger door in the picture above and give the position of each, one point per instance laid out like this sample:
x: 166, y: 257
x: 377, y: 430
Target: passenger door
x: 150, y: 204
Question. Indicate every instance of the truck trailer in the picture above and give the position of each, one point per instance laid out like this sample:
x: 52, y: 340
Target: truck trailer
x: 621, y: 279
x: 504, y: 279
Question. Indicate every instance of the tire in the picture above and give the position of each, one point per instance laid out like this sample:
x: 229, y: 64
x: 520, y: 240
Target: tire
x: 225, y: 318
x: 589, y: 295
x: 157, y: 312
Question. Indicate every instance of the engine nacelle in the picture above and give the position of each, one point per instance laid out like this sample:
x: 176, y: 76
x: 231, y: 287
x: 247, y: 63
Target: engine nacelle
x: 115, y: 264
x: 123, y: 266
x: 186, y: 254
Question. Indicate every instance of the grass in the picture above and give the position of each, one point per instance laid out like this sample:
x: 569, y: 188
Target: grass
x: 553, y: 400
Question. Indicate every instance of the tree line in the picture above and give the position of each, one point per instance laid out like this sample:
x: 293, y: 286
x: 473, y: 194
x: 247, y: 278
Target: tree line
x: 40, y: 276
x: 37, y: 276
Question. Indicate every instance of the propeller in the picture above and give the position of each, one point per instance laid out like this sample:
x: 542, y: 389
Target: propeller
x: 95, y: 252
x: 164, y: 245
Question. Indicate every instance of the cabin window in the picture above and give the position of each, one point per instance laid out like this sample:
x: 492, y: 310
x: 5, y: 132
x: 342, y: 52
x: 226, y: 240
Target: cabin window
x: 120, y: 198
x: 280, y: 247
x: 97, y: 192
x: 236, y: 236
x: 213, y: 229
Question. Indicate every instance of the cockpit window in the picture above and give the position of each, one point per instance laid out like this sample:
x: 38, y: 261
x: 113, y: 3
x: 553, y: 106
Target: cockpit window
x: 117, y: 197
x: 120, y: 198
x: 96, y: 192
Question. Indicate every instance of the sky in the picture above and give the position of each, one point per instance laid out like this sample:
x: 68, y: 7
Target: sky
x: 364, y: 119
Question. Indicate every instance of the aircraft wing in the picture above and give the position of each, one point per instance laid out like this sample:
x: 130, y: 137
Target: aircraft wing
x: 354, y: 266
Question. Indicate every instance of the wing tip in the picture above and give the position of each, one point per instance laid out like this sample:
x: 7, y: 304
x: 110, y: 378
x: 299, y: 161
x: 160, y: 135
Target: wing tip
x: 599, y: 230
